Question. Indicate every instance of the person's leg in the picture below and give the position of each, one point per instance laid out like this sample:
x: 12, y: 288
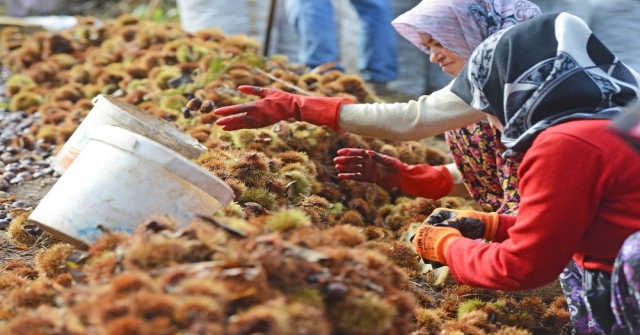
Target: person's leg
x: 582, y: 319
x: 625, y: 282
x: 316, y: 30
x: 378, y: 59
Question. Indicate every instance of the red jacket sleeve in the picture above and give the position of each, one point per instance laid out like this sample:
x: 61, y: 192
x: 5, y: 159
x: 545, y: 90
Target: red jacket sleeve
x: 562, y: 180
x: 506, y: 222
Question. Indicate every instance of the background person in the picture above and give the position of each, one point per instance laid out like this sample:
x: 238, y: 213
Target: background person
x: 318, y: 39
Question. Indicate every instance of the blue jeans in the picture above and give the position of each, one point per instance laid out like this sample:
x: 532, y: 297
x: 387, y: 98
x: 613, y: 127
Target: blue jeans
x: 318, y: 39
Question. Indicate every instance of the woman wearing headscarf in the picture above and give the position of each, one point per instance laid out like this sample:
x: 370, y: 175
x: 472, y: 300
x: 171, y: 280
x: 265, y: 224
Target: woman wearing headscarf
x: 454, y: 28
x: 552, y: 88
x: 459, y: 26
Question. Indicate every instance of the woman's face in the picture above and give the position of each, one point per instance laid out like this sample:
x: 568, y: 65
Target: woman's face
x: 448, y: 61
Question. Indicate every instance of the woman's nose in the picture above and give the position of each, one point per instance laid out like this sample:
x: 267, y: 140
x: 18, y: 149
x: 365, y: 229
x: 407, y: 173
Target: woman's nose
x: 435, y: 55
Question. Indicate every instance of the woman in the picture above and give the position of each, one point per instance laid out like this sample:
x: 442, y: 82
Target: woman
x: 451, y: 29
x: 552, y: 88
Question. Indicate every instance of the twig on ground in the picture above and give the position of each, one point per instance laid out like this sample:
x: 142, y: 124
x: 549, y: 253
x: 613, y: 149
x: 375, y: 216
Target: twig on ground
x: 286, y: 83
x: 151, y: 7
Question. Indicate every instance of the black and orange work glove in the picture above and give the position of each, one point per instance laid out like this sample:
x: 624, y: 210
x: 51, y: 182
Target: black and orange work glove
x: 471, y: 224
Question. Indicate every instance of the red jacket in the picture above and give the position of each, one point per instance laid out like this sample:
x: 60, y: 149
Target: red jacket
x: 580, y: 198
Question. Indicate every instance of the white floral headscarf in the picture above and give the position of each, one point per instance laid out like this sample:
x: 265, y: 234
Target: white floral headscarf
x: 461, y: 25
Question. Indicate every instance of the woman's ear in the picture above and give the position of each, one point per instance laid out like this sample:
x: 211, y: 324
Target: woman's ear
x: 495, y: 122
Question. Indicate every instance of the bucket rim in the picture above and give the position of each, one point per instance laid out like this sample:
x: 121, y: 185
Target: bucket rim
x: 117, y: 108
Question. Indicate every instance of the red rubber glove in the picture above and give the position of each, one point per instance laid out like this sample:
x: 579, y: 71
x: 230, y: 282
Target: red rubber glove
x: 471, y: 224
x: 431, y: 242
x: 422, y: 180
x: 277, y: 105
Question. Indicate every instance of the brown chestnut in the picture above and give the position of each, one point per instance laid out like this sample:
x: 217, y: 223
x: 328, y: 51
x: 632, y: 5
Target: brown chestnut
x: 207, y: 106
x: 186, y: 112
x: 194, y: 104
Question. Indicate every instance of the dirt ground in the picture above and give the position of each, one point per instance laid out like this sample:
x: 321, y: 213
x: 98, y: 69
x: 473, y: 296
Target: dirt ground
x: 31, y: 192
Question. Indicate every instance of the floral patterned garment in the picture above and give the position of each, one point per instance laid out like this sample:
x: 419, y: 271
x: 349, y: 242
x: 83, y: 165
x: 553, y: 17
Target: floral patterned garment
x: 626, y: 288
x: 580, y: 311
x: 492, y: 181
x: 625, y: 297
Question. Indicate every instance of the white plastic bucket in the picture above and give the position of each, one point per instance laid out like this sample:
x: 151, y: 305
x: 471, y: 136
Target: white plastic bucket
x: 119, y: 180
x: 108, y: 110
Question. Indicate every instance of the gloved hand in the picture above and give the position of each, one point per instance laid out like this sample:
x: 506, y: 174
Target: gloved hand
x: 422, y: 180
x: 278, y: 105
x: 431, y: 242
x: 471, y: 224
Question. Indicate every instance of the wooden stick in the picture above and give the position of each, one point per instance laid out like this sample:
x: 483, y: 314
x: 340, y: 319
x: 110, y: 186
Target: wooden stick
x: 189, y: 267
x: 151, y: 7
x: 267, y: 38
x: 286, y: 83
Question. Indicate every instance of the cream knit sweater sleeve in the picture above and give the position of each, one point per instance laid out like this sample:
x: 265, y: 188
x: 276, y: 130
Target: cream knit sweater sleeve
x: 428, y: 116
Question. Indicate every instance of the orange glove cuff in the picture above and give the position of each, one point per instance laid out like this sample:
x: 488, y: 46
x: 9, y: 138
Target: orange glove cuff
x: 432, y: 242
x: 491, y: 221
